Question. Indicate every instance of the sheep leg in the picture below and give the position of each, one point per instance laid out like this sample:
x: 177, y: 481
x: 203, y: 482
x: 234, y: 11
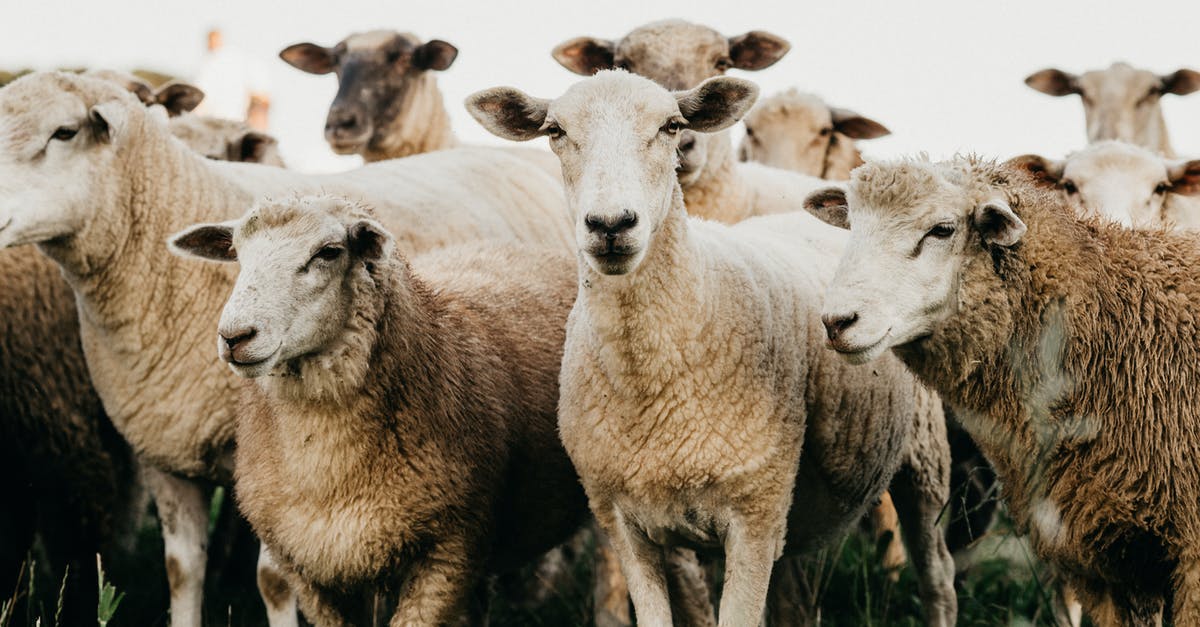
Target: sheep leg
x: 885, y: 524
x: 183, y: 513
x: 749, y: 557
x: 439, y: 587
x: 918, y: 495
x: 611, y: 592
x: 644, y: 566
x: 688, y: 590
x: 277, y: 595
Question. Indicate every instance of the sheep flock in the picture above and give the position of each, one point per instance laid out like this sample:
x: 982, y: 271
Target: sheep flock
x: 668, y: 371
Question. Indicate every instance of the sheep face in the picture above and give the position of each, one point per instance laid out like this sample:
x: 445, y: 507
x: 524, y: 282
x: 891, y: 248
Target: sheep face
x: 1116, y: 181
x: 913, y: 231
x: 375, y: 71
x: 617, y: 135
x: 1121, y: 102
x: 674, y: 53
x: 60, y: 141
x: 226, y: 140
x: 797, y: 131
x: 302, y: 261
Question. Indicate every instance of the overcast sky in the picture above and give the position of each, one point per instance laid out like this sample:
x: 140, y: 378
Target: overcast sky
x: 944, y: 75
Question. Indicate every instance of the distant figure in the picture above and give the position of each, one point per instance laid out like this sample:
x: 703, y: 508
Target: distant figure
x: 234, y: 87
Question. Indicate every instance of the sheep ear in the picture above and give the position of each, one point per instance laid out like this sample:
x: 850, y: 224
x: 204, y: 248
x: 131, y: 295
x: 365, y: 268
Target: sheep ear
x: 509, y: 112
x: 1054, y: 82
x: 434, y: 54
x: 717, y: 103
x: 855, y: 126
x: 310, y: 58
x: 368, y: 239
x: 107, y: 120
x: 1185, y: 177
x: 830, y: 206
x: 998, y: 224
x: 178, y: 98
x: 213, y: 242
x: 1181, y: 82
x: 1046, y: 172
x: 585, y: 55
x: 757, y: 50
x: 252, y: 147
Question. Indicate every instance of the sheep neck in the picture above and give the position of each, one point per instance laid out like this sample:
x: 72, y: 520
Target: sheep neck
x: 1164, y: 140
x: 146, y: 316
x: 659, y: 305
x: 718, y: 193
x: 841, y: 157
x: 421, y: 124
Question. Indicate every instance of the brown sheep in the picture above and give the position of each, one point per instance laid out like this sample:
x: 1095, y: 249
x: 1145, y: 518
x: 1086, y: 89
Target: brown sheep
x: 1068, y: 347
x: 400, y: 434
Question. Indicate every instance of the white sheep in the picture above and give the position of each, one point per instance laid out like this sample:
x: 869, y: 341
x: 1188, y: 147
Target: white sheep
x: 797, y: 131
x: 1123, y: 183
x: 1069, y: 349
x: 401, y: 435
x: 693, y: 373
x: 1121, y: 102
x: 98, y: 182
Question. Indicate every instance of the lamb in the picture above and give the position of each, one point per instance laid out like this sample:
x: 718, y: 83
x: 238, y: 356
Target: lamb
x: 388, y: 104
x: 1067, y: 345
x: 86, y: 165
x: 1123, y: 183
x: 1121, y: 102
x: 796, y: 131
x: 648, y: 386
x: 679, y: 55
x: 425, y: 396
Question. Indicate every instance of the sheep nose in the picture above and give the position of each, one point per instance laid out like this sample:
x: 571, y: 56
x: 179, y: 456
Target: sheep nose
x: 611, y: 226
x: 237, y: 338
x: 836, y: 325
x: 340, y: 120
x: 687, y: 141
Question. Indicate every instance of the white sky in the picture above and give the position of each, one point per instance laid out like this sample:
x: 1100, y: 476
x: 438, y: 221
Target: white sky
x: 944, y: 75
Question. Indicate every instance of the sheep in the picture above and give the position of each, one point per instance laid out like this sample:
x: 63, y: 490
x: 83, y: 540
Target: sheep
x: 87, y: 166
x: 679, y: 55
x: 1123, y: 183
x: 226, y: 140
x: 70, y: 479
x: 1066, y: 345
x: 796, y: 131
x: 434, y: 387
x: 175, y: 97
x: 1121, y: 102
x: 648, y: 386
x: 388, y: 104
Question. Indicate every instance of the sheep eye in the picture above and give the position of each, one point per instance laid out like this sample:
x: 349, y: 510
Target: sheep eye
x: 672, y: 127
x: 826, y: 131
x: 1161, y: 188
x: 329, y: 253
x: 64, y: 133
x: 941, y: 231
x: 1069, y: 187
x: 749, y: 132
x: 393, y: 56
x: 554, y: 131
x: 622, y: 65
x: 723, y: 64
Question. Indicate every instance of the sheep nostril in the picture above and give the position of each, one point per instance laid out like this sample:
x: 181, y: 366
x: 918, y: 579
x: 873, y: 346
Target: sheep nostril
x: 238, y: 337
x: 836, y: 325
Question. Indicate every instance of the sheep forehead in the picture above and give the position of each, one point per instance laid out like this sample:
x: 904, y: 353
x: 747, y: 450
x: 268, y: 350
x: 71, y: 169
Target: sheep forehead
x: 672, y: 41
x: 371, y: 41
x: 1120, y: 80
x: 914, y: 190
x: 1114, y: 158
x: 613, y: 97
x: 792, y: 107
x: 34, y: 101
x: 299, y: 223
